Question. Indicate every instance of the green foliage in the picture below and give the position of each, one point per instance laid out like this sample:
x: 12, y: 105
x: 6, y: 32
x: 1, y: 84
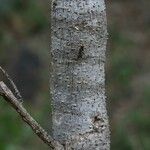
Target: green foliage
x: 130, y: 110
x: 19, y: 20
x: 21, y: 17
x: 14, y: 134
x: 146, y: 97
x: 10, y: 127
x: 34, y: 18
x: 122, y: 61
x: 122, y: 66
x: 121, y: 140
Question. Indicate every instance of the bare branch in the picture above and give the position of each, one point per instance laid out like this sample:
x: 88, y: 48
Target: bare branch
x: 6, y: 93
x: 17, y: 93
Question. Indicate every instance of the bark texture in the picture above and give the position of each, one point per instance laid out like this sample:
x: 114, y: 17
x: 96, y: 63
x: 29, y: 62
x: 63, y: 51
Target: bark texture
x: 78, y: 45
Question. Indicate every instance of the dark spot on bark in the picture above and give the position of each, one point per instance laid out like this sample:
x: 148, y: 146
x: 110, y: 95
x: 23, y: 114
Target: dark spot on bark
x: 102, y: 126
x: 96, y: 119
x: 80, y: 52
x: 54, y: 5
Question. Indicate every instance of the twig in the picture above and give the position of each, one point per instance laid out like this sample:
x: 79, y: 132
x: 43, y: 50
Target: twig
x: 17, y: 93
x: 6, y: 93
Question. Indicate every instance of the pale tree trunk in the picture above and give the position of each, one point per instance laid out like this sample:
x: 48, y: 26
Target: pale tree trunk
x: 79, y: 37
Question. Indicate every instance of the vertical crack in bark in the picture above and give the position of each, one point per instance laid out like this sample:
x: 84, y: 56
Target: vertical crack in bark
x: 80, y: 52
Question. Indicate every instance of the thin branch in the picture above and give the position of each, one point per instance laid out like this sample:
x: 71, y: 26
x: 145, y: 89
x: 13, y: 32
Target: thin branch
x: 6, y: 93
x: 17, y: 93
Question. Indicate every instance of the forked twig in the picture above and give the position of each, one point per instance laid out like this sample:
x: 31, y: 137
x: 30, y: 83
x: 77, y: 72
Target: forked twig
x: 15, y: 101
x: 6, y: 93
x: 17, y: 93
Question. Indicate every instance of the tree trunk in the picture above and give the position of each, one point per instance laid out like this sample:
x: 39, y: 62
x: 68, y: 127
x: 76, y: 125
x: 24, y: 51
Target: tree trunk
x: 78, y: 44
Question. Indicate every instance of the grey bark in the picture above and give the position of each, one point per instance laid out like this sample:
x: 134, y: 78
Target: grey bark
x: 78, y: 44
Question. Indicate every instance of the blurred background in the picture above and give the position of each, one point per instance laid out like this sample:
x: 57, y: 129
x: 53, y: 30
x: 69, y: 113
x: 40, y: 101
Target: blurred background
x: 24, y: 53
